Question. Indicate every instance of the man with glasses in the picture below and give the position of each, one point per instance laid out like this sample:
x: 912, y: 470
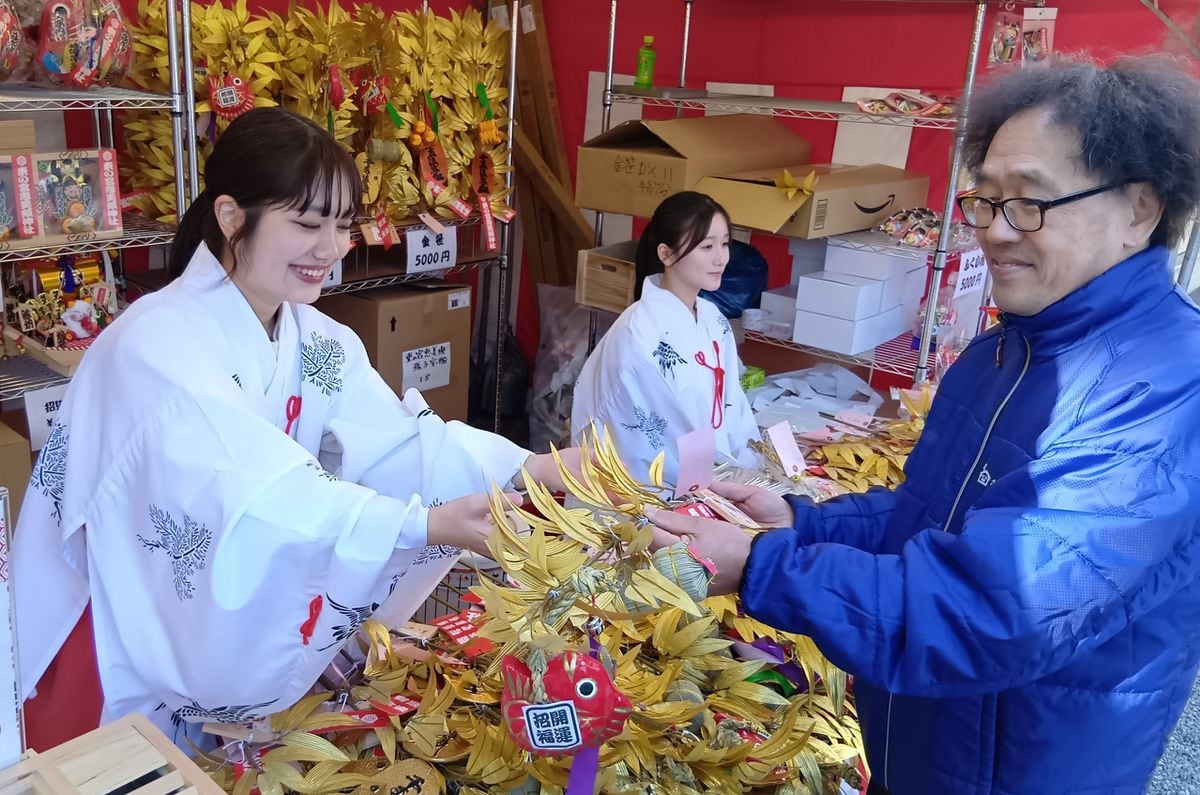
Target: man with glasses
x: 1022, y: 615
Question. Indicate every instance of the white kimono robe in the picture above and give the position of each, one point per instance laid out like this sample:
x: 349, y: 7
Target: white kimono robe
x: 233, y: 508
x: 660, y: 373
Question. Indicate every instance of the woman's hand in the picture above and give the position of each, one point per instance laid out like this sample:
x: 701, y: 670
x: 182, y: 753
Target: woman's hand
x: 465, y: 522
x: 544, y: 469
x: 726, y: 546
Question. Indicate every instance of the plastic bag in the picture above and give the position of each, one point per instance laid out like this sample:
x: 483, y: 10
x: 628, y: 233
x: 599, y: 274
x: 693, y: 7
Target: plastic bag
x: 560, y: 358
x: 84, y: 43
x: 743, y: 282
x: 12, y: 41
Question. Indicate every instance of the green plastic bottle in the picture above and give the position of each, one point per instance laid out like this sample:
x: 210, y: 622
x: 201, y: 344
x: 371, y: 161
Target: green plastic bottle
x: 645, y: 64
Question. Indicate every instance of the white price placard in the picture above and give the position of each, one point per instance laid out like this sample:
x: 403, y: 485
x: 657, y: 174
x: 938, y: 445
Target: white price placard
x: 972, y: 273
x: 430, y: 251
x: 427, y: 367
x: 41, y: 407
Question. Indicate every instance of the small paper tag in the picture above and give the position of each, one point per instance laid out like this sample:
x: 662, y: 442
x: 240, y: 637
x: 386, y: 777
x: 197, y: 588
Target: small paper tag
x: 459, y: 627
x: 552, y: 727
x: 696, y: 509
x: 527, y: 23
x: 500, y: 16
x: 432, y: 222
x: 460, y: 299
x: 727, y: 510
x: 855, y: 418
x: 697, y: 452
x: 785, y: 445
x: 972, y: 272
x: 427, y: 367
x: 398, y: 705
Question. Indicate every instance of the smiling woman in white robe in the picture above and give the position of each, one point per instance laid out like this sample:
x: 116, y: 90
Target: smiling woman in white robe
x: 669, y: 364
x: 229, y: 482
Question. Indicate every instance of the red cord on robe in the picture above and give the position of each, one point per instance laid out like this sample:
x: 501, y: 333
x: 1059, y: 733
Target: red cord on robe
x: 69, y: 699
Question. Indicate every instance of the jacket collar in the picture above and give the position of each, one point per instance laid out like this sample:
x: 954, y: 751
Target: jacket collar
x: 1131, y: 287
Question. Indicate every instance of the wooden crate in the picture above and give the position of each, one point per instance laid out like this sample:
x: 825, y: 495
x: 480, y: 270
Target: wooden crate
x: 60, y: 360
x: 606, y: 277
x: 128, y: 751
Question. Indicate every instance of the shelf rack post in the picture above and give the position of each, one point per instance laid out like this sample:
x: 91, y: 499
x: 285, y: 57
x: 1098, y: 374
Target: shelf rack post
x: 189, y: 99
x: 177, y: 108
x: 921, y: 374
x: 1190, y: 254
x: 605, y: 120
x: 506, y: 235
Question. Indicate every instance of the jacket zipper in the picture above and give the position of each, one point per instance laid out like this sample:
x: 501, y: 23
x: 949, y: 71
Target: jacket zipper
x: 887, y: 745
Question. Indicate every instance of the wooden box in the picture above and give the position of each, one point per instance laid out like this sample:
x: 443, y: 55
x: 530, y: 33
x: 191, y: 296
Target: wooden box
x: 129, y: 755
x: 606, y: 277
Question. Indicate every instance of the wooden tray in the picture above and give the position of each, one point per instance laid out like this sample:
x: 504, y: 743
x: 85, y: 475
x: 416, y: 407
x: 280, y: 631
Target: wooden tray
x: 63, y: 362
x: 130, y: 751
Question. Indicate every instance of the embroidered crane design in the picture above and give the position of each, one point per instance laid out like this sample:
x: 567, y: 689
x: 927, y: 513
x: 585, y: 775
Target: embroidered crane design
x: 186, y: 547
x: 321, y: 363
x: 650, y: 424
x: 355, y: 616
x: 51, y: 471
x: 232, y: 714
x: 723, y: 322
x: 668, y: 358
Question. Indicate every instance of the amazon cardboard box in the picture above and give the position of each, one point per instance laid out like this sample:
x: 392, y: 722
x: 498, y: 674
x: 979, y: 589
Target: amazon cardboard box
x: 844, y: 198
x: 416, y: 336
x: 635, y: 165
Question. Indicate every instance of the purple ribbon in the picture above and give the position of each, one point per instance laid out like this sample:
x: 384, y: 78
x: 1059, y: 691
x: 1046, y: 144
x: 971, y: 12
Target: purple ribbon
x: 584, y: 769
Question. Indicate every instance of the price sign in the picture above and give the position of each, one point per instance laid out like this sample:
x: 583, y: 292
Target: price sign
x: 972, y: 272
x: 430, y: 251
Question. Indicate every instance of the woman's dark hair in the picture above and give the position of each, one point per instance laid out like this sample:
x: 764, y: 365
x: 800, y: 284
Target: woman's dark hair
x: 267, y: 157
x: 681, y: 222
x: 1137, y: 119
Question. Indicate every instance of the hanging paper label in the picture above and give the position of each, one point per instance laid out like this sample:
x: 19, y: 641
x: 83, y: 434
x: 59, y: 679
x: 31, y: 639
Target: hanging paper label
x: 552, y: 727
x: 459, y: 627
x: 504, y: 215
x: 431, y: 161
x: 385, y: 230
x: 398, y: 705
x: 432, y: 222
x: 483, y: 175
x: 972, y: 271
x: 697, y: 452
x: 426, y: 368
x: 784, y: 442
x: 430, y: 251
x: 23, y: 177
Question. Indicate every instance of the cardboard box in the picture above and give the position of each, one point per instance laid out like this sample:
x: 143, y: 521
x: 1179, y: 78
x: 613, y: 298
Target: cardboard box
x: 606, y: 277
x: 15, y: 466
x: 780, y: 302
x: 78, y: 196
x: 844, y: 199
x: 635, y: 165
x: 416, y: 337
x: 872, y: 264
x: 17, y: 136
x: 850, y: 337
x: 841, y: 296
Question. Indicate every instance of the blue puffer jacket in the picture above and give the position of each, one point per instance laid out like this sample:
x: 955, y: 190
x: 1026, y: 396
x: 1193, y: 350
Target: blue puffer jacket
x: 1023, y: 614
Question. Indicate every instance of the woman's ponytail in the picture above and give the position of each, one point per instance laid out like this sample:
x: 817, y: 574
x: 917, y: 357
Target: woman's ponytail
x: 198, y: 225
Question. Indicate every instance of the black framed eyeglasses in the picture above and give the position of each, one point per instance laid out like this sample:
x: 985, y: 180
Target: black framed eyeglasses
x: 1024, y: 215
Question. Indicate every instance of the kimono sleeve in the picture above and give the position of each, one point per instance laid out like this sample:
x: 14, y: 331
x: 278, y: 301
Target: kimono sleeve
x: 226, y: 566
x: 372, y: 431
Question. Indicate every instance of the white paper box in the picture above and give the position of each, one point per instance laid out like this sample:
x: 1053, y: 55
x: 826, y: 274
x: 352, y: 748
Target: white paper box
x: 904, y: 290
x: 851, y: 337
x: 839, y: 295
x: 780, y: 302
x: 808, y: 256
x: 870, y: 264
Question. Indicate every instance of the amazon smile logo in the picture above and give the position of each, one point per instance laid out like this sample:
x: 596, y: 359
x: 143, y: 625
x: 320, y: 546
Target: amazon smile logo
x: 875, y: 210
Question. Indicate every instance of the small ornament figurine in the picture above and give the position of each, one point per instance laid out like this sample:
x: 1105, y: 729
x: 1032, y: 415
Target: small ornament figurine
x: 573, y: 704
x: 79, y: 319
x: 229, y: 96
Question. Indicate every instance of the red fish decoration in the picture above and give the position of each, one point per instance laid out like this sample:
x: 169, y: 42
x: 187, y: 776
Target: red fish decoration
x: 229, y: 97
x: 370, y: 90
x: 583, y: 708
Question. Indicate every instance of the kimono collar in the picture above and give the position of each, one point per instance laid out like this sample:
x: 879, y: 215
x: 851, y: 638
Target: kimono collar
x: 655, y: 295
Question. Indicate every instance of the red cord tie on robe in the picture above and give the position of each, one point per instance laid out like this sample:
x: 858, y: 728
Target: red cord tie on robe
x: 293, y: 412
x: 718, y: 410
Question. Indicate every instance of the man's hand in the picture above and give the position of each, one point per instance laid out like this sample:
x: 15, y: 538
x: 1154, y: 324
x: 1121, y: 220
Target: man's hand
x: 769, y: 510
x: 725, y: 544
x: 543, y: 469
x: 465, y: 522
